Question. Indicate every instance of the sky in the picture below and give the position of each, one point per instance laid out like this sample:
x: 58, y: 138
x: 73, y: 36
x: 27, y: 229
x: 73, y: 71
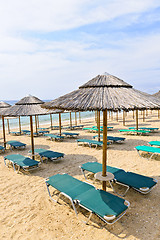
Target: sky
x: 49, y: 48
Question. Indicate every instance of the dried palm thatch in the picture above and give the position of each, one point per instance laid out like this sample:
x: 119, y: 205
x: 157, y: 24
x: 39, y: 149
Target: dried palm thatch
x: 3, y: 106
x: 157, y: 95
x: 104, y: 92
x: 28, y: 106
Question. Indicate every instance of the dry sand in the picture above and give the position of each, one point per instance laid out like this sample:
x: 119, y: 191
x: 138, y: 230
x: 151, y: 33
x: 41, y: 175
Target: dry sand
x: 26, y: 211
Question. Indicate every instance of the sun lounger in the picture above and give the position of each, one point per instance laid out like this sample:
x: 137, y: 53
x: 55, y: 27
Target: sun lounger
x: 16, y: 144
x: 35, y: 134
x: 20, y: 161
x: 77, y: 126
x: 151, y: 150
x: 106, y: 206
x: 56, y: 127
x: 42, y: 132
x: 146, y: 128
x: 101, y: 127
x: 15, y: 133
x: 138, y: 182
x: 91, y: 142
x: 43, y: 128
x: 48, y: 154
x: 71, y: 135
x: 155, y: 143
x: 2, y: 148
x: 112, y: 139
x: 92, y: 129
x: 53, y: 136
x: 130, y: 131
x: 25, y: 131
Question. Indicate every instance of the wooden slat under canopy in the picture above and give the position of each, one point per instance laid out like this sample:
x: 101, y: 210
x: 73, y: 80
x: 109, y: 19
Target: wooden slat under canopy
x: 102, y: 93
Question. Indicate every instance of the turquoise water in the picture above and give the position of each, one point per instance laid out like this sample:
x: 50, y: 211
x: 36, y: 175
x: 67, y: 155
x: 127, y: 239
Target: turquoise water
x: 45, y: 119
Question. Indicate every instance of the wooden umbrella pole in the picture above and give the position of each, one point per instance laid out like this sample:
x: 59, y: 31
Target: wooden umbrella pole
x: 95, y: 116
x: 104, y: 160
x: 79, y: 117
x: 51, y: 121
x: 133, y: 114
x: 136, y: 119
x: 20, y: 124
x: 99, y: 138
x: 32, y: 139
x: 60, y: 124
x: 4, y: 134
x: 70, y: 119
x: 123, y: 118
x: 112, y: 116
x: 8, y: 126
x: 158, y: 113
x: 36, y: 123
x: 75, y: 118
x: 117, y: 116
x: 143, y: 115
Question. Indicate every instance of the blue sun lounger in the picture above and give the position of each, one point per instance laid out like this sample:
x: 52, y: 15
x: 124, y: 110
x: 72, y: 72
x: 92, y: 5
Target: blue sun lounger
x: 53, y: 136
x: 25, y: 131
x: 112, y: 139
x: 151, y: 150
x: 48, y: 154
x: 71, y: 135
x: 19, y: 161
x: 42, y: 132
x: 108, y: 207
x: 15, y: 133
x: 91, y: 143
x: 2, y: 148
x: 136, y: 181
x: 16, y: 144
x: 35, y: 134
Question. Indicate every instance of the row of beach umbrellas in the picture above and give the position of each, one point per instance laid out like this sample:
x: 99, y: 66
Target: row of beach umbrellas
x: 103, y: 93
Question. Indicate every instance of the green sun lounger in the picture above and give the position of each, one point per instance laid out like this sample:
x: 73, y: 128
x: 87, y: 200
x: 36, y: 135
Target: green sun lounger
x: 53, y: 136
x: 152, y: 150
x: 91, y: 142
x: 136, y: 181
x: 48, y: 154
x: 16, y: 144
x: 92, y: 129
x: 71, y: 135
x: 27, y: 164
x: 2, y: 148
x: 101, y: 127
x: 112, y: 139
x: 155, y: 143
x: 43, y: 128
x: 145, y: 128
x: 130, y: 131
x: 106, y: 206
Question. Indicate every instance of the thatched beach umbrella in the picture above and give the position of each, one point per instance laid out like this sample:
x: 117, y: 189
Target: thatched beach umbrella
x: 28, y: 106
x: 3, y: 107
x: 102, y: 93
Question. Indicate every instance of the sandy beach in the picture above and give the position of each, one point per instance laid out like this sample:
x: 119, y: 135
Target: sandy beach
x: 26, y: 211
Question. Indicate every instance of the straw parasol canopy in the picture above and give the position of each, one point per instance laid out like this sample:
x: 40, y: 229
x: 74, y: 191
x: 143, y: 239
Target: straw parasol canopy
x: 157, y: 95
x: 102, y: 93
x: 28, y: 106
x: 3, y: 106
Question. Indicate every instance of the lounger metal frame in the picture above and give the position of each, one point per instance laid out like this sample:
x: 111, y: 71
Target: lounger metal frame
x: 74, y: 202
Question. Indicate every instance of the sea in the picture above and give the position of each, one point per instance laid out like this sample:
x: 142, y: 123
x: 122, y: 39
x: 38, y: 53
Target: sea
x: 45, y: 119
